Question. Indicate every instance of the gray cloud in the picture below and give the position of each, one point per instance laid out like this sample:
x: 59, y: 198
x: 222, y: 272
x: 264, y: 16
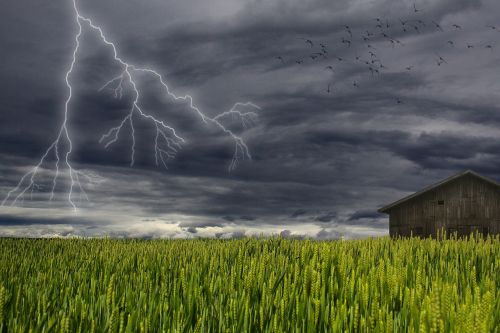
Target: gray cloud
x: 322, y: 163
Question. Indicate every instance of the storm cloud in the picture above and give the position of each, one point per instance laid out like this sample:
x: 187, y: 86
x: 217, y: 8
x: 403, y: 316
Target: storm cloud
x: 329, y: 146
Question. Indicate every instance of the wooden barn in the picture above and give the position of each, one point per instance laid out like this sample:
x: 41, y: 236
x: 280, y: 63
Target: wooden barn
x: 464, y: 203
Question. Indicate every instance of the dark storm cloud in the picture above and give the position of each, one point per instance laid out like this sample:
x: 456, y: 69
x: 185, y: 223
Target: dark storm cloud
x: 327, y: 159
x: 365, y: 214
x: 328, y: 217
x: 7, y: 220
x: 298, y: 213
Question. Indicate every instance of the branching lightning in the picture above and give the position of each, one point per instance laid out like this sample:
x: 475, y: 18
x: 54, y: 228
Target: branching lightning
x: 167, y: 141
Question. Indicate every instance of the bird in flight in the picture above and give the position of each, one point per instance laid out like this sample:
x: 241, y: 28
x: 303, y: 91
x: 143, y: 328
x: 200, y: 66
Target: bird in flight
x: 437, y: 26
x: 415, y: 10
x: 308, y: 41
x: 328, y: 90
x: 456, y: 26
x: 373, y: 70
x: 489, y: 46
x: 470, y: 46
x: 403, y: 24
x: 348, y: 29
x: 355, y: 84
x: 450, y: 42
x: 281, y: 59
x: 440, y: 60
x: 399, y: 101
x: 409, y: 68
x: 346, y: 41
x: 330, y: 67
x: 299, y: 61
x: 492, y: 27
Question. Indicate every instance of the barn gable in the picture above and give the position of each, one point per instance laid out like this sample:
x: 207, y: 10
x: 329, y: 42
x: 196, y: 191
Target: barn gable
x: 386, y: 208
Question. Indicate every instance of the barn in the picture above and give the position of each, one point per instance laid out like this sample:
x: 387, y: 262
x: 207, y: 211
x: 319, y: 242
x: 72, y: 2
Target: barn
x: 464, y: 203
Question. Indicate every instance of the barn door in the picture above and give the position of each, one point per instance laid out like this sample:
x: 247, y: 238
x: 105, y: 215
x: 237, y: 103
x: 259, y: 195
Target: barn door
x: 440, y: 215
x: 430, y: 218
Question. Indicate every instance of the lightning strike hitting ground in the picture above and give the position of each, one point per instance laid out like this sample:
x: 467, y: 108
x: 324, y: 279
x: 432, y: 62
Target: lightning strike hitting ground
x: 166, y: 144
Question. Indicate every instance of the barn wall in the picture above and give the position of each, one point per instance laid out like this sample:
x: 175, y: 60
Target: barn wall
x: 463, y: 205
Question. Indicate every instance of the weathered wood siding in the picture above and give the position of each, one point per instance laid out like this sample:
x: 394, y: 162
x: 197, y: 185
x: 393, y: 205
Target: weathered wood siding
x: 463, y: 205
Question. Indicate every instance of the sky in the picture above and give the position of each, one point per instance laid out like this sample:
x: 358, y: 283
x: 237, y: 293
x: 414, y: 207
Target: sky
x: 360, y: 103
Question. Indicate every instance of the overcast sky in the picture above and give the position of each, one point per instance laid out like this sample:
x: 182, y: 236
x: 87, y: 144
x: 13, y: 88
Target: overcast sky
x: 411, y: 97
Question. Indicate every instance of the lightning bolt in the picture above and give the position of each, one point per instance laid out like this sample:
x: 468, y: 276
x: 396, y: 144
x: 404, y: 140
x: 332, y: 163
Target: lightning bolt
x: 167, y: 141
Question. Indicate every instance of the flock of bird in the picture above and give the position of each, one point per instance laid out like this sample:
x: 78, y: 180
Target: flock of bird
x: 382, y: 29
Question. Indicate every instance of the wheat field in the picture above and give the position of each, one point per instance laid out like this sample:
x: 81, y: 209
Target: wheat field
x: 250, y: 285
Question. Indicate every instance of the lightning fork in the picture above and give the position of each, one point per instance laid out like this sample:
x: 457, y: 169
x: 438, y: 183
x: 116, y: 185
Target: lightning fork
x: 167, y: 141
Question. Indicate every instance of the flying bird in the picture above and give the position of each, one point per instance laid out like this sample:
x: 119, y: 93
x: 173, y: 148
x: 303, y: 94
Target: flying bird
x: 299, y: 61
x: 280, y: 58
x: 399, y: 101
x: 328, y: 90
x: 437, y: 26
x: 346, y: 41
x: 456, y: 26
x: 415, y: 10
x: 440, y: 60
x: 470, y: 46
x: 355, y: 84
x: 409, y: 68
x: 348, y: 29
x: 316, y: 55
x: 308, y: 41
x: 373, y: 70
x: 330, y: 67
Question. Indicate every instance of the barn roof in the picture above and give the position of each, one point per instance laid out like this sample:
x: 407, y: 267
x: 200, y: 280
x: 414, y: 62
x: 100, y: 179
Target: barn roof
x: 386, y: 208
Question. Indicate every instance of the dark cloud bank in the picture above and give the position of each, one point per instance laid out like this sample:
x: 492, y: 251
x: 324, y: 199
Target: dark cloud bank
x: 323, y: 162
